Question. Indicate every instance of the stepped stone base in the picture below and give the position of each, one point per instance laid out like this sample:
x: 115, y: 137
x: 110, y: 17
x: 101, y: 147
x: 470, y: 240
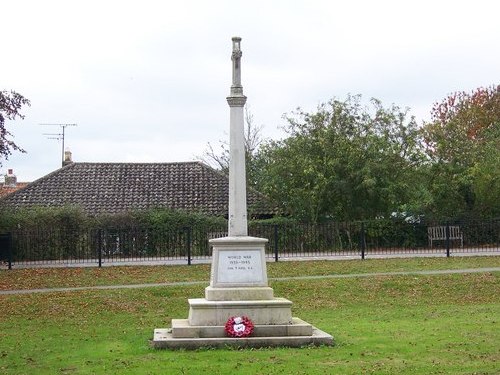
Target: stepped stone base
x: 238, y: 287
x: 182, y: 329
x: 183, y: 335
x: 274, y: 326
x: 271, y: 316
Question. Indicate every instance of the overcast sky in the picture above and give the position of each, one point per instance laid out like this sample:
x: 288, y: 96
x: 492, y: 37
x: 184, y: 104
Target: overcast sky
x: 146, y: 81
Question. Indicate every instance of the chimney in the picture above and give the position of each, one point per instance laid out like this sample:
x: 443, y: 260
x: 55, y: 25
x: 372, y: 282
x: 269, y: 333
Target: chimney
x: 67, y: 157
x: 10, y: 178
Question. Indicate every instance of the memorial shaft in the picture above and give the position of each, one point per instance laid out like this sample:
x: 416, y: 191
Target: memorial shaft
x: 237, y: 169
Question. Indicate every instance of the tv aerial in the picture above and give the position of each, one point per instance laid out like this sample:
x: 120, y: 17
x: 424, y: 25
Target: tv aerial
x: 58, y: 136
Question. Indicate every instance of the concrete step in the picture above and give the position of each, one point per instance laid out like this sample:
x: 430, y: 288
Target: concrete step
x: 182, y: 329
x: 163, y: 339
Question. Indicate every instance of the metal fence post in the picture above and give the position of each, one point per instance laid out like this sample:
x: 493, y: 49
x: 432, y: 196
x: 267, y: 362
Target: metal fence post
x: 188, y: 244
x: 99, y: 247
x: 9, y: 247
x: 276, y: 242
x: 6, y: 248
x: 447, y: 239
x: 363, y: 244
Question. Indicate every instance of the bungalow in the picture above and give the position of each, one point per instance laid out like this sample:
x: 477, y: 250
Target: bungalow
x: 112, y: 188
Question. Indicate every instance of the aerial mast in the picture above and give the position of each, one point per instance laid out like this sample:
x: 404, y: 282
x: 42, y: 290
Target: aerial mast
x: 58, y: 136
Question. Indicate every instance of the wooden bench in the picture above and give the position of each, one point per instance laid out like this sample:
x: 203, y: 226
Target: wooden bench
x: 438, y: 233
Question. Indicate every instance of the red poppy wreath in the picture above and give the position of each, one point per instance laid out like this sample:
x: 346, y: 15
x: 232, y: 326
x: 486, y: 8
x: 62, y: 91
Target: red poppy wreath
x: 239, y: 326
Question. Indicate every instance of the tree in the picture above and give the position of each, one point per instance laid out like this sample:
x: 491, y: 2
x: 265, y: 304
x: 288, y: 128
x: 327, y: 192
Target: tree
x: 462, y: 142
x: 219, y: 158
x: 345, y: 161
x: 485, y: 174
x: 10, y: 105
x: 460, y: 124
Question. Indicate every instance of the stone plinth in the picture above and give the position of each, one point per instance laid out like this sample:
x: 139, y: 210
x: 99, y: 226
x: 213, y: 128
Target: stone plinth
x: 238, y: 262
x: 216, y: 313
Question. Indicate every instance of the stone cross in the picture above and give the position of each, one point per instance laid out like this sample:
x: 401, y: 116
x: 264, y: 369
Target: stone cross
x: 237, y: 174
x: 236, y: 88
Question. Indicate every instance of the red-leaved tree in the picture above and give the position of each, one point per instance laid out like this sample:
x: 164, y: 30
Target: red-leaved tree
x: 463, y: 144
x: 10, y: 105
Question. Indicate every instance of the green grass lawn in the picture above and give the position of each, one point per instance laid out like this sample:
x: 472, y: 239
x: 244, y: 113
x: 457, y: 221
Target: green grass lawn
x: 415, y: 324
x: 90, y: 276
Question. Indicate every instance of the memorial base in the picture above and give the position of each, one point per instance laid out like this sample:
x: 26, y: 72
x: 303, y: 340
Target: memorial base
x: 297, y: 334
x: 238, y: 287
x: 273, y: 326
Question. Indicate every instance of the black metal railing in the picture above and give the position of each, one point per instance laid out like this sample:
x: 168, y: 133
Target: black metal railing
x: 291, y: 240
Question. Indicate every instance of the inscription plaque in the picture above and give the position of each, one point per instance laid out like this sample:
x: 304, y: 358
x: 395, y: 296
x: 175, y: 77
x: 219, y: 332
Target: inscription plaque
x: 242, y: 266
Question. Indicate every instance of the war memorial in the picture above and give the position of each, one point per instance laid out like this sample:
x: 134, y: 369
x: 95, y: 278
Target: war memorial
x: 239, y: 308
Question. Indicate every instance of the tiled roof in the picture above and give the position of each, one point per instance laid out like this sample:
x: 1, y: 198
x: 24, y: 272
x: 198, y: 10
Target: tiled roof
x: 7, y: 189
x: 117, y: 187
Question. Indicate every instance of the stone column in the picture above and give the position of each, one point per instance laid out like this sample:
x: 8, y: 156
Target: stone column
x: 237, y: 175
x: 238, y: 261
